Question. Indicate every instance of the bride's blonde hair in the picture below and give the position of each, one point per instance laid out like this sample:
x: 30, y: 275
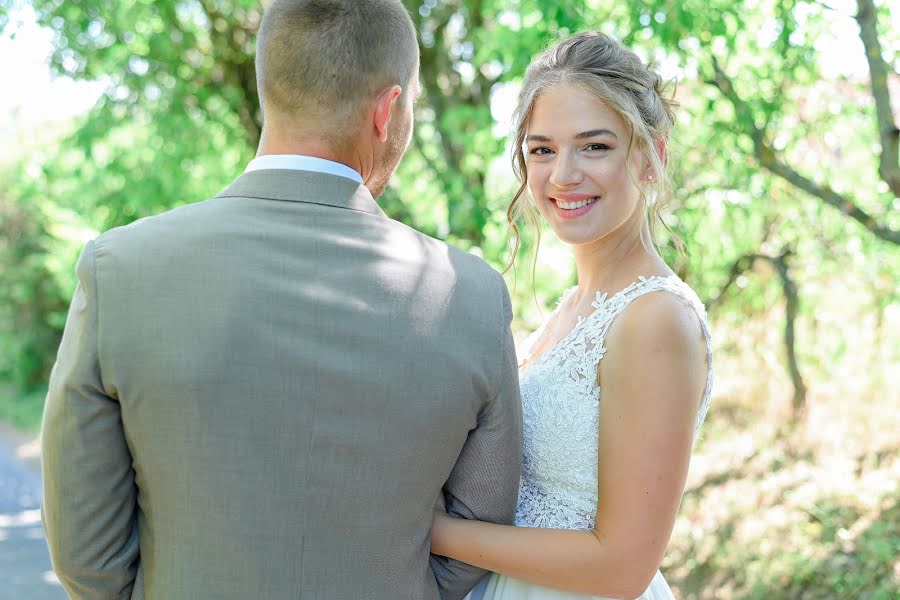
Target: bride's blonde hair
x: 602, y: 66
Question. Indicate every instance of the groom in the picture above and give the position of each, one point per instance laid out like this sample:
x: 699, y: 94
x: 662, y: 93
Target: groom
x: 264, y: 395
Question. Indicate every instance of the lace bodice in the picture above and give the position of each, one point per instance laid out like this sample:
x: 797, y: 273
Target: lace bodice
x: 561, y: 412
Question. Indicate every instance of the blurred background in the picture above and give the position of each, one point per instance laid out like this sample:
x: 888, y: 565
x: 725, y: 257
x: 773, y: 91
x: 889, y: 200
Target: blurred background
x: 788, y: 190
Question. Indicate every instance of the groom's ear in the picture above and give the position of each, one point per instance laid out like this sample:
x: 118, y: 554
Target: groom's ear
x: 384, y: 106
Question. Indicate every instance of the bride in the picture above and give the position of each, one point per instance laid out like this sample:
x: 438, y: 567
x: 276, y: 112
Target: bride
x: 616, y: 383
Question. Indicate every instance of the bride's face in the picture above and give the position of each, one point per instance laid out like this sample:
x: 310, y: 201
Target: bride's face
x: 578, y: 166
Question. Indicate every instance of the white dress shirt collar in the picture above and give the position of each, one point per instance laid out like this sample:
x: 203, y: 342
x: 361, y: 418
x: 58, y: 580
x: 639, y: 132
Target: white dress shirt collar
x: 297, y: 162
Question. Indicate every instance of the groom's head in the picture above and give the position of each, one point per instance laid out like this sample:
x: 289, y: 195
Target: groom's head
x: 341, y: 75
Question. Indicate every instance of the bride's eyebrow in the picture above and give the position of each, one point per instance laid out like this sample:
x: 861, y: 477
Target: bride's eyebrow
x: 595, y: 133
x: 581, y: 136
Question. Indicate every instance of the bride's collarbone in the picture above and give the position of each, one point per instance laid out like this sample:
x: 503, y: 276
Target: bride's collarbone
x: 559, y: 327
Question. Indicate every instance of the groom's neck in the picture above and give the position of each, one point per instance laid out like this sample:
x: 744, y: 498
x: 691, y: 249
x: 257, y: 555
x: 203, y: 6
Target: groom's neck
x: 306, y: 144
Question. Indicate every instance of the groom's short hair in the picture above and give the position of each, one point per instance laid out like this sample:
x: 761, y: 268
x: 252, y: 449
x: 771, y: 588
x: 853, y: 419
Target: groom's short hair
x: 319, y: 61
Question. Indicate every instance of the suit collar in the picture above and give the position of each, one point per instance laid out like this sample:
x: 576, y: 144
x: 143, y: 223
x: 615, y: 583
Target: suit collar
x: 303, y: 163
x: 303, y: 186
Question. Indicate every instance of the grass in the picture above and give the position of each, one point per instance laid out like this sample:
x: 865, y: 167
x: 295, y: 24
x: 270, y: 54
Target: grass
x: 806, y: 512
x: 779, y: 518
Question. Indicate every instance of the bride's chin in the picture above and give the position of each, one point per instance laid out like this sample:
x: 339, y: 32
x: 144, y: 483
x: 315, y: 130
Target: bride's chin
x: 574, y: 234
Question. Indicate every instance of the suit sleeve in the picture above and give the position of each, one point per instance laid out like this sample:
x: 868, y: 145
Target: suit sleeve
x: 89, y: 508
x: 484, y: 484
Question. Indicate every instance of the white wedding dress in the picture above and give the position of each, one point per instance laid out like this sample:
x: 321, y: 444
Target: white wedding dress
x: 560, y: 409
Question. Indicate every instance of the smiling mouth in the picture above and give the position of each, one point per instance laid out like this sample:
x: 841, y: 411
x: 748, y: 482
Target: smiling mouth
x: 567, y: 205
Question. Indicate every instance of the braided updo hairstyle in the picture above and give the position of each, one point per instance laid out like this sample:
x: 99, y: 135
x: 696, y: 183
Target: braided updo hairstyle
x: 603, y: 67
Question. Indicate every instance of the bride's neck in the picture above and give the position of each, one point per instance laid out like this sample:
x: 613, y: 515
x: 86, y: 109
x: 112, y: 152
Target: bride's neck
x: 609, y: 265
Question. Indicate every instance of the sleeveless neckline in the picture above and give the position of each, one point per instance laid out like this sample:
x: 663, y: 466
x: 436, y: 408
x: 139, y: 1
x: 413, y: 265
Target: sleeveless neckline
x: 601, y: 299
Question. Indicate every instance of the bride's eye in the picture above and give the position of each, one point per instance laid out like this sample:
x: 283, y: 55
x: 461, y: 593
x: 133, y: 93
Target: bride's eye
x: 597, y: 148
x: 540, y: 151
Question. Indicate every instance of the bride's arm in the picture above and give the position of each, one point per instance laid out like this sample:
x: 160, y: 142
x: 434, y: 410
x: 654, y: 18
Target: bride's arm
x: 652, y: 378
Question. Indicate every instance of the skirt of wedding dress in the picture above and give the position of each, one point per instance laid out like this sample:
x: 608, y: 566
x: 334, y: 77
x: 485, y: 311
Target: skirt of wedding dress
x: 501, y: 587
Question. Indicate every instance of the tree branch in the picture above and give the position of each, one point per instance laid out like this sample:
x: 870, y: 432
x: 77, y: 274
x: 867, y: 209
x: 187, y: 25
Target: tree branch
x: 888, y: 133
x: 421, y: 146
x: 483, y: 84
x: 792, y: 305
x: 765, y: 155
x: 738, y: 268
x: 239, y: 68
x: 742, y: 264
x: 434, y: 63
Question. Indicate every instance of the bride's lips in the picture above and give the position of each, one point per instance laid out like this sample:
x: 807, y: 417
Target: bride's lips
x: 572, y: 206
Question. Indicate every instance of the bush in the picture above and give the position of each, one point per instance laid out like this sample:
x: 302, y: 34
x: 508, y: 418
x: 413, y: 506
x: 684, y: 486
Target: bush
x: 37, y: 266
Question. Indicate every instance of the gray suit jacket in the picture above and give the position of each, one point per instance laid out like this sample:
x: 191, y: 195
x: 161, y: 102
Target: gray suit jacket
x: 263, y: 396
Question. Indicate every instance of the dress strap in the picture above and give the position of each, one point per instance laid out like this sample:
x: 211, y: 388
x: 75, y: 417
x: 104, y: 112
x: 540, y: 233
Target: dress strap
x: 608, y: 308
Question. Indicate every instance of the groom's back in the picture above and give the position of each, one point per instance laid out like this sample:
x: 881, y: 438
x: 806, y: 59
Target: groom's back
x: 298, y: 375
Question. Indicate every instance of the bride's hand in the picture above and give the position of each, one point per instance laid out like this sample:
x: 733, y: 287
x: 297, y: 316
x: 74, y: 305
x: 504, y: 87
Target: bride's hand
x: 439, y: 530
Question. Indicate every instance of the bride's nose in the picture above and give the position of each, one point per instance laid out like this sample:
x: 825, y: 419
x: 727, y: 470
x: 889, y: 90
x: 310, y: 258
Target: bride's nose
x: 566, y: 171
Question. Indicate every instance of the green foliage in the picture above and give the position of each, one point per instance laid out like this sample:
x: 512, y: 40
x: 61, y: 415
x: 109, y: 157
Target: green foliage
x: 34, y: 295
x: 178, y: 119
x: 181, y: 117
x: 21, y: 409
x: 182, y: 100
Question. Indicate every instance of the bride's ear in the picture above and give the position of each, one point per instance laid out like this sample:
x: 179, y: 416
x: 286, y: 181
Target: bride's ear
x: 659, y: 146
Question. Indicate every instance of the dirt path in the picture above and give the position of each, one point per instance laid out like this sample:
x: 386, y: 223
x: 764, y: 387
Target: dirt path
x: 25, y: 571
